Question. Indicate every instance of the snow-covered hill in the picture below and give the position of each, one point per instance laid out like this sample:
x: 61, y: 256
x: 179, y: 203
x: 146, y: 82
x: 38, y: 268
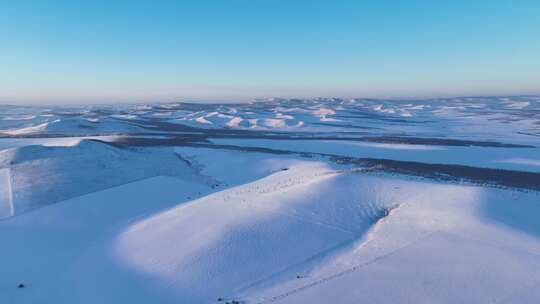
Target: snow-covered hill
x: 283, y: 200
x: 475, y: 118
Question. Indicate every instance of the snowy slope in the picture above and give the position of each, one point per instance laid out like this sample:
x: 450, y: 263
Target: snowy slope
x: 46, y: 248
x: 241, y: 203
x: 315, y: 225
x: 35, y: 178
x: 443, y: 246
x: 523, y: 159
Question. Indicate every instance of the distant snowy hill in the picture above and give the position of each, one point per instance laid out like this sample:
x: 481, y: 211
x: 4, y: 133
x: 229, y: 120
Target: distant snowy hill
x: 488, y: 118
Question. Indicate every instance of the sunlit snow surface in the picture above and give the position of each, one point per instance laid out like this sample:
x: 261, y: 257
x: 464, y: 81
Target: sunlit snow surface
x: 273, y: 201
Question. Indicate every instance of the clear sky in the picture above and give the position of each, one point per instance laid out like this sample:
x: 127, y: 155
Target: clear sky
x: 138, y: 51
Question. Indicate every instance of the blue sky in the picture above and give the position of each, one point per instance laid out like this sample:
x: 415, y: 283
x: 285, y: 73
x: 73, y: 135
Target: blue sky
x: 115, y: 51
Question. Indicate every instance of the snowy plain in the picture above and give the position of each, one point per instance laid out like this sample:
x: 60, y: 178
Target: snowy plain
x: 275, y: 201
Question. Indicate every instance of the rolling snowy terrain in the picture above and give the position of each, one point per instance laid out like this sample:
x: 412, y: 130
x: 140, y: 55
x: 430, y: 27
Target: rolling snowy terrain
x: 273, y: 201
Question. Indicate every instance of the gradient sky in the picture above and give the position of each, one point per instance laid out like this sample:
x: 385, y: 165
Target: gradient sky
x: 140, y: 51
